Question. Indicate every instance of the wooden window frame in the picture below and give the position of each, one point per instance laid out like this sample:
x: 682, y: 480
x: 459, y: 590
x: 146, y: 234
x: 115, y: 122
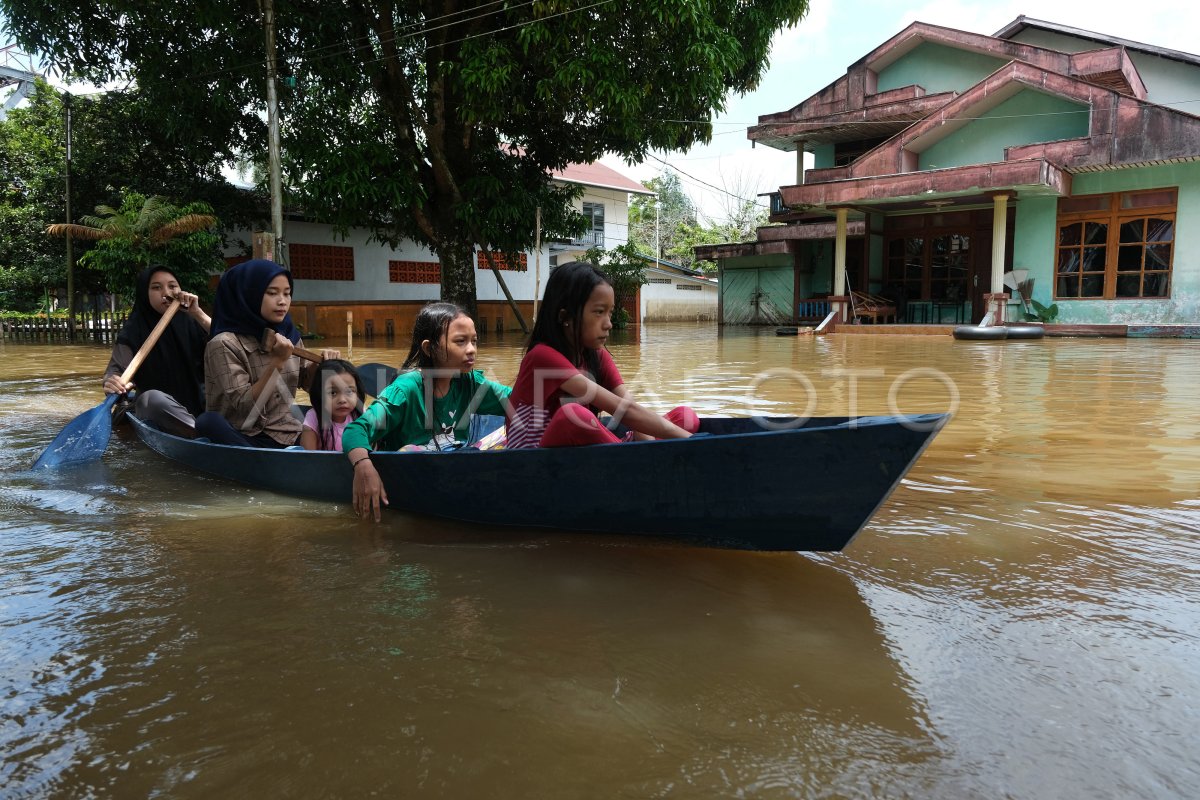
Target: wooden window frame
x: 1122, y: 209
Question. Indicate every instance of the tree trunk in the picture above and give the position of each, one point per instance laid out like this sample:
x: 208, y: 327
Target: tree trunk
x: 458, y: 274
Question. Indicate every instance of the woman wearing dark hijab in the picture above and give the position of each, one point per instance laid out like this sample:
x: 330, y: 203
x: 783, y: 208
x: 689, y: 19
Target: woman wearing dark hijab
x: 250, y: 385
x: 170, y: 381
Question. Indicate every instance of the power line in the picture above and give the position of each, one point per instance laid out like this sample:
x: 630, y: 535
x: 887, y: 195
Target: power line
x: 706, y: 183
x: 414, y: 31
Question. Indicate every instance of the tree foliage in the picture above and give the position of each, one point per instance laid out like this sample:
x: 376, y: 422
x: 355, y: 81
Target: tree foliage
x: 31, y: 189
x: 425, y: 120
x: 680, y: 227
x: 145, y: 231
x: 742, y: 224
x: 119, y: 142
x: 665, y: 223
x: 626, y: 271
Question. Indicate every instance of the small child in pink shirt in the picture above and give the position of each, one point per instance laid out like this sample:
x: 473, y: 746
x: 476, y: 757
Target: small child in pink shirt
x: 336, y: 394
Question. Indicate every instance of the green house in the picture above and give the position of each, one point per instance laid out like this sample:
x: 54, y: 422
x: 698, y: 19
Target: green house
x: 962, y: 177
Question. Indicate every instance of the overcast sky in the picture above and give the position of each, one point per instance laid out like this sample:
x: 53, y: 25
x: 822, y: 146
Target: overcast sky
x: 836, y: 33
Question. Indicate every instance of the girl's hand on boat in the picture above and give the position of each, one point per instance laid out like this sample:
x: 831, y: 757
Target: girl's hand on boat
x: 328, y: 353
x: 369, y: 494
x: 114, y: 385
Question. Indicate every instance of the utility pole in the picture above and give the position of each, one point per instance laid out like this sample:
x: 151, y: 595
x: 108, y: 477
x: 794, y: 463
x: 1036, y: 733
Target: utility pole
x: 657, y: 245
x: 70, y: 249
x: 537, y: 261
x: 273, y: 147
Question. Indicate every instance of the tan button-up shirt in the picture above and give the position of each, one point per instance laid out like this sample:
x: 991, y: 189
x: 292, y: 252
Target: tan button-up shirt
x: 233, y: 362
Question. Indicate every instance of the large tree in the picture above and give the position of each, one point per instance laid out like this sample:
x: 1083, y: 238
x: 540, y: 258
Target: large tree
x: 429, y: 120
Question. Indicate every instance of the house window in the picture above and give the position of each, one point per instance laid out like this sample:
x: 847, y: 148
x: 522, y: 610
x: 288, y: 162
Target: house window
x: 414, y: 272
x: 594, y: 212
x: 321, y: 262
x: 1114, y: 246
x: 502, y: 261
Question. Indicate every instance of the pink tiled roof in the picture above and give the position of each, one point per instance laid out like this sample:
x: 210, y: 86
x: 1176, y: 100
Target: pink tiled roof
x: 596, y: 174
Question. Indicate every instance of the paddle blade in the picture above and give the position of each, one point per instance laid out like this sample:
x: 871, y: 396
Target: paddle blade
x: 82, y: 440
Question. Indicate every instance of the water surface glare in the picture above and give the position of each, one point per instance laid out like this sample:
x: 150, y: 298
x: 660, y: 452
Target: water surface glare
x: 1020, y: 619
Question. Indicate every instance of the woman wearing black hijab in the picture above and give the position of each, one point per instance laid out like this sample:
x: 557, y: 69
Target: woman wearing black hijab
x: 170, y: 382
x: 251, y: 386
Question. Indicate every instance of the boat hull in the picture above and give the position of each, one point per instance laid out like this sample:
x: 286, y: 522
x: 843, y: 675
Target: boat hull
x: 811, y: 486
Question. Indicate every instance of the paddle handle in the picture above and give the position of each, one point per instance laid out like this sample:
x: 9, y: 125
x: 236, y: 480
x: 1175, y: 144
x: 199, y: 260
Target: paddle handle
x: 307, y: 355
x: 148, y: 345
x: 268, y: 338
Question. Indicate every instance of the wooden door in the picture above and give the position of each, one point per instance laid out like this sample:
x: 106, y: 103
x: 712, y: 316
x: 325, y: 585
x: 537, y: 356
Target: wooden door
x: 757, y: 296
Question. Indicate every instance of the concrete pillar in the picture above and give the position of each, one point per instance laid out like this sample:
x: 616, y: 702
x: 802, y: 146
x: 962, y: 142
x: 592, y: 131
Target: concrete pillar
x: 799, y: 161
x: 999, y: 237
x: 996, y: 300
x: 839, y: 295
x: 839, y: 253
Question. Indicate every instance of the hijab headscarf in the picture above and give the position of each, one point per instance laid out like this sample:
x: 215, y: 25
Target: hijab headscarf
x: 175, y: 365
x: 238, y: 307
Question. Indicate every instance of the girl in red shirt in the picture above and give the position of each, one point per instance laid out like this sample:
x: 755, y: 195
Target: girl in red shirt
x: 567, y: 376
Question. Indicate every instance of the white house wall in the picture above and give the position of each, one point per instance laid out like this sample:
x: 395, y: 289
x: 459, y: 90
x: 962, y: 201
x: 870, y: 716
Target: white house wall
x: 664, y: 301
x: 371, y: 259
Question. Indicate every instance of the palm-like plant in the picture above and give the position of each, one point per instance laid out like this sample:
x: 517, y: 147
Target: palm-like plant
x: 146, y: 230
x: 153, y: 225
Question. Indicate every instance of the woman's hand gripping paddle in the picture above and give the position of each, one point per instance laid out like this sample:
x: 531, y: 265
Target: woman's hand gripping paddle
x: 268, y: 339
x: 375, y: 376
x: 85, y: 437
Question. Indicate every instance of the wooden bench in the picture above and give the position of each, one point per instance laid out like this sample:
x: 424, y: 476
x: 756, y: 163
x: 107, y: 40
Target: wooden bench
x: 872, y: 307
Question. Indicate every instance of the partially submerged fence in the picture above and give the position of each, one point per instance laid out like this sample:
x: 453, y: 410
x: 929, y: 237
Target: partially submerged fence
x: 90, y: 326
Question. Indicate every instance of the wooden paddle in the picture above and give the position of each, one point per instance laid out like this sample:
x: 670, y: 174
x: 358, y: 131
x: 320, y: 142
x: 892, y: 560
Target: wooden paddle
x: 85, y: 437
x: 268, y: 338
x: 375, y: 376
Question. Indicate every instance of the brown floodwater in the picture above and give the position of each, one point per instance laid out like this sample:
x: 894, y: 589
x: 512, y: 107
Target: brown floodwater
x: 1020, y: 619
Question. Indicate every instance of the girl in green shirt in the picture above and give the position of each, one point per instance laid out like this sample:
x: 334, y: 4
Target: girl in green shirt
x: 430, y: 402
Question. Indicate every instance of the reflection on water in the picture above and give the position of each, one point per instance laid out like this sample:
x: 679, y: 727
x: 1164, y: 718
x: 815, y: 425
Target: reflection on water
x: 1019, y: 619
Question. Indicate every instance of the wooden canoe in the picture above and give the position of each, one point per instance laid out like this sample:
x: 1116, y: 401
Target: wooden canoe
x: 752, y: 483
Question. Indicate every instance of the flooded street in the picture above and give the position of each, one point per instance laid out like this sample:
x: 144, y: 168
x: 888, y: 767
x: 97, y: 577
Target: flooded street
x: 1020, y: 619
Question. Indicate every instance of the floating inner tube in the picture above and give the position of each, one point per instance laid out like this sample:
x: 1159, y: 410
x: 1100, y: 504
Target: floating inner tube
x: 1025, y: 331
x: 991, y: 333
x: 787, y: 331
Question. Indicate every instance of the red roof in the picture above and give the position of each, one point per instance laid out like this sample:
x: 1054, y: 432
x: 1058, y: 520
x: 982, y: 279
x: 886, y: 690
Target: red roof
x: 596, y: 174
